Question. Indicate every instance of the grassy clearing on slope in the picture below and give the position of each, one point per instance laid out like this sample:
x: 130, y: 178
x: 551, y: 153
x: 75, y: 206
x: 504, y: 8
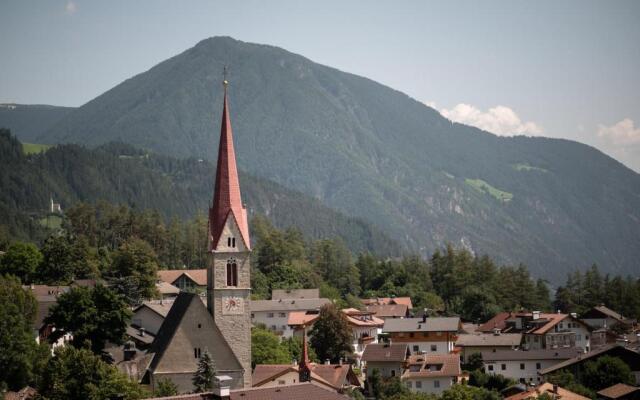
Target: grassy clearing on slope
x: 33, y: 148
x: 51, y: 221
x: 527, y: 167
x: 484, y: 187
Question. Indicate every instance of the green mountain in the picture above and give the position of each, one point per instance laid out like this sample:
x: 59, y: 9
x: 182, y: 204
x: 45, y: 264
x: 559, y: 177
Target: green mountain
x: 373, y: 152
x: 28, y: 122
x: 121, y: 174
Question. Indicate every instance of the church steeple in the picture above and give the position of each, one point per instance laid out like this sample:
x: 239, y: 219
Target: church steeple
x: 227, y: 201
x: 304, y: 366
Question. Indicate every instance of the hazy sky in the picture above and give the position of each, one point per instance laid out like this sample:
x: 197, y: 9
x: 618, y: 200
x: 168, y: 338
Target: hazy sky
x: 565, y: 69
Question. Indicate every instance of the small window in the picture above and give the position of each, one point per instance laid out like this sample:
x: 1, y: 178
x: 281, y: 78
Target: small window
x: 408, y: 384
x: 503, y: 367
x: 228, y: 242
x: 253, y: 315
x: 586, y: 337
x: 434, y: 347
x: 282, y: 315
x: 232, y: 273
x: 436, y: 384
x: 393, y: 372
x: 199, y: 326
x: 273, y: 327
x: 233, y: 242
x: 281, y: 382
x: 490, y: 367
x: 521, y: 365
x: 196, y: 352
x: 418, y: 384
x: 270, y: 315
x: 416, y: 348
x: 538, y: 366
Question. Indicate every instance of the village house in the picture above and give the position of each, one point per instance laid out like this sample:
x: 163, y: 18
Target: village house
x: 542, y: 330
x: 190, y: 280
x: 603, y: 317
x: 486, y: 342
x: 525, y: 366
x: 46, y: 296
x: 548, y: 389
x: 365, y: 328
x: 167, y: 291
x: 274, y: 314
x: 150, y: 315
x: 432, y: 373
x: 576, y: 364
x: 428, y: 335
x: 387, y: 358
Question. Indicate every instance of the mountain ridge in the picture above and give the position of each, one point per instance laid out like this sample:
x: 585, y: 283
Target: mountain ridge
x: 375, y: 153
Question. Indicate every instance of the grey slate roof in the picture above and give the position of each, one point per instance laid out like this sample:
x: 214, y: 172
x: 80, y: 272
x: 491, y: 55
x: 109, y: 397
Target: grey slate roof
x: 629, y: 356
x: 382, y: 352
x: 441, y: 324
x: 288, y: 304
x: 515, y: 355
x: 277, y: 294
x: 171, y: 324
x: 489, y: 339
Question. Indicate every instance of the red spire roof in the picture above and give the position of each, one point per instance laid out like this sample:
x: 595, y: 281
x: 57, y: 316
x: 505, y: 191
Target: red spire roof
x: 227, y: 201
x: 304, y: 366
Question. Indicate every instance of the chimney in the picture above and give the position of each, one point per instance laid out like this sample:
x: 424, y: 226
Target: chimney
x: 496, y: 331
x: 536, y: 315
x: 142, y: 331
x: 327, y: 362
x: 574, y: 315
x: 555, y: 389
x: 424, y: 317
x: 222, y: 387
x: 129, y: 351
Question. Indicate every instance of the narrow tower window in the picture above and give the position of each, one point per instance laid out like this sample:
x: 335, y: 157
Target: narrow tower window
x: 229, y: 241
x: 232, y: 273
x: 233, y: 242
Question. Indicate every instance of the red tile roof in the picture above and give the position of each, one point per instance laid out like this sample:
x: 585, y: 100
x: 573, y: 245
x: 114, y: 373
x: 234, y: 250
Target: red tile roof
x: 388, y: 310
x: 618, y: 390
x: 333, y: 375
x: 227, y: 201
x: 389, y: 300
x: 547, y: 388
x: 362, y: 318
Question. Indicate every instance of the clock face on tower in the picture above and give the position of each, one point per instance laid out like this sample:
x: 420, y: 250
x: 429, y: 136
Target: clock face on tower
x: 232, y: 305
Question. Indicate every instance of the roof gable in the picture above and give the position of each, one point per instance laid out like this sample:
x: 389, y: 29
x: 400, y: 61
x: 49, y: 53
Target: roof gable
x: 180, y: 334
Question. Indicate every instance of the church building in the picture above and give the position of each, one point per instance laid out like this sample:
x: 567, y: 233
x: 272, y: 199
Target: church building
x: 223, y: 326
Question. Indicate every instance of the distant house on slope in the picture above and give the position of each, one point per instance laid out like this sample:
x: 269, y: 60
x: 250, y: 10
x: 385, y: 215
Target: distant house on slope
x: 387, y: 358
x: 433, y: 373
x: 486, y: 342
x: 525, y: 366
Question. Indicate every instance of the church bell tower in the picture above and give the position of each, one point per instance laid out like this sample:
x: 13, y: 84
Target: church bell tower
x: 229, y: 269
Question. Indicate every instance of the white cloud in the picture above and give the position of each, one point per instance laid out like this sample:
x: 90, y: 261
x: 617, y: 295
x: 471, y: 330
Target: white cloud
x: 621, y: 133
x: 70, y: 8
x: 500, y: 120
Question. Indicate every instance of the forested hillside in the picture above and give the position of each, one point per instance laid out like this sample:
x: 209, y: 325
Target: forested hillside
x: 29, y: 121
x: 121, y: 174
x: 374, y: 153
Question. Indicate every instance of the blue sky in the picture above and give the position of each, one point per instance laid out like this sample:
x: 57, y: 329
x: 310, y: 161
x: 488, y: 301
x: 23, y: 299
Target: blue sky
x: 565, y: 69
